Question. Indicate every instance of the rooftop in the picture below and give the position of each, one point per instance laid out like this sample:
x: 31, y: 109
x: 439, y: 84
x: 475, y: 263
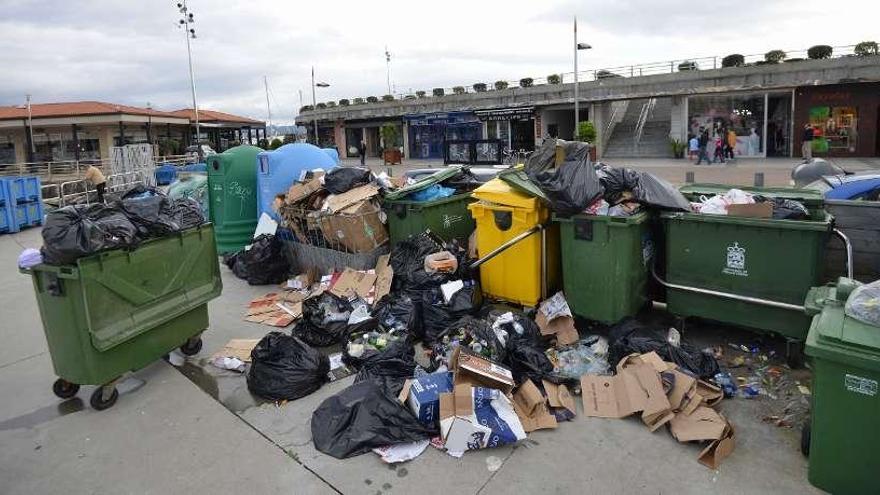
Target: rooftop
x: 215, y: 116
x: 89, y: 108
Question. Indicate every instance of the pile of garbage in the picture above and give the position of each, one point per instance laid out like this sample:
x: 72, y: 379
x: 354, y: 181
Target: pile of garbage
x: 737, y: 202
x: 141, y: 214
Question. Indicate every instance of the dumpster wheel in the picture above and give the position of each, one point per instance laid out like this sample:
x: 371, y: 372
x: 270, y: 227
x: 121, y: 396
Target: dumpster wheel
x: 101, y: 400
x: 192, y: 346
x: 63, y: 389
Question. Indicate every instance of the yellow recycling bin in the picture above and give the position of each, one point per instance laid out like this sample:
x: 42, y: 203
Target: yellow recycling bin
x: 502, y: 213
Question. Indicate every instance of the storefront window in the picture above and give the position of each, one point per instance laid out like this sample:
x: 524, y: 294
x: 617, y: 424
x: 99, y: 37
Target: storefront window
x: 834, y: 129
x: 7, y: 153
x: 743, y: 114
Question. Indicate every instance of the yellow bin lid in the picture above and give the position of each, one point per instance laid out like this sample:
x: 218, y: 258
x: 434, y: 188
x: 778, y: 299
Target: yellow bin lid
x: 498, y: 191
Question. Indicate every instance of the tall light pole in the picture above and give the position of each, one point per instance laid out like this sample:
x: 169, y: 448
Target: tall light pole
x: 388, y: 69
x: 577, y: 46
x: 315, y: 102
x: 189, y: 32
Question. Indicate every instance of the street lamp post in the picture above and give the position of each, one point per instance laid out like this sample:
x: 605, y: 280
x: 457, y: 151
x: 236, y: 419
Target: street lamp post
x: 577, y: 46
x: 315, y: 102
x: 188, y: 33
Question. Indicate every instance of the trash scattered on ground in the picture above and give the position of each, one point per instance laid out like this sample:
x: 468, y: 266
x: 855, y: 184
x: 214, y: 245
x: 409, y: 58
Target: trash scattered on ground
x: 401, y: 452
x: 630, y: 336
x: 587, y: 356
x: 235, y: 355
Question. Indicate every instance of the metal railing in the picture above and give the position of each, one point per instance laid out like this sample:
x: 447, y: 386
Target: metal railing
x: 59, y: 170
x: 644, y: 114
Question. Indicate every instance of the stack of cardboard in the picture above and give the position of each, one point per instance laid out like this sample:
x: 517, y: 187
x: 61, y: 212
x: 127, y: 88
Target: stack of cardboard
x: 663, y: 394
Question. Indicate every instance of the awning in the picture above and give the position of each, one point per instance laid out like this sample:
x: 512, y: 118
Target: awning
x: 513, y: 113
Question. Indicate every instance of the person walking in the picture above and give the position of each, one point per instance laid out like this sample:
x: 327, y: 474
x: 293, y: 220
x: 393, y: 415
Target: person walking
x: 731, y: 143
x: 362, y: 150
x: 693, y: 147
x: 807, y: 145
x: 719, y: 150
x: 97, y: 179
x: 703, y: 142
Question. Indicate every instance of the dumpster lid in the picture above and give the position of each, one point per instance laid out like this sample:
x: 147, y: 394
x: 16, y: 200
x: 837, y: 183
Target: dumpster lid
x: 498, y: 191
x: 812, y: 199
x: 517, y: 178
x: 441, y: 175
x: 837, y: 337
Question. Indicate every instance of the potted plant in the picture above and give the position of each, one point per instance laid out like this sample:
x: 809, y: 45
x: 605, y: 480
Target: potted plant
x: 358, y: 101
x: 331, y: 104
x: 409, y: 97
x: 526, y: 82
x: 420, y: 94
x: 499, y: 85
x: 687, y: 65
x: 344, y: 102
x: 387, y: 97
x: 734, y: 60
x: 275, y: 144
x: 390, y: 151
x: 866, y: 48
x: 677, y: 147
x: 480, y: 87
x: 554, y: 79
x: 459, y: 90
x: 774, y: 56
x: 306, y: 108
x: 819, y: 52
x: 606, y: 74
x: 586, y: 133
x: 438, y: 92
x: 321, y: 106
x: 372, y: 99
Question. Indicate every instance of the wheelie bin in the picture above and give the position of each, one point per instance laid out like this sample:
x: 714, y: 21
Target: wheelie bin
x: 447, y: 217
x: 605, y: 264
x: 843, y: 439
x: 232, y: 196
x: 120, y: 310
x: 752, y: 272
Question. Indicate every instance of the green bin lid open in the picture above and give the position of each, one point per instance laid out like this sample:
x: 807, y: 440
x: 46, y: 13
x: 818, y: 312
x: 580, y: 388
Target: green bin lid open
x: 837, y: 337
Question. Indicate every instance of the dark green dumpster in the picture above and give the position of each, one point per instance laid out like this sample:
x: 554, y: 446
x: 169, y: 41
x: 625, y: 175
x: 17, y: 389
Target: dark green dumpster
x: 232, y: 194
x: 843, y: 438
x: 447, y: 217
x: 605, y: 264
x: 753, y: 272
x: 120, y: 310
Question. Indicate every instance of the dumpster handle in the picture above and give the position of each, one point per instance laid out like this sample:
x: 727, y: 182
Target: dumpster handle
x: 726, y: 295
x: 500, y: 249
x: 849, y: 253
x: 543, y: 264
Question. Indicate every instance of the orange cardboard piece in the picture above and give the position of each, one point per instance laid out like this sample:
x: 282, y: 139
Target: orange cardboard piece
x: 278, y: 319
x: 295, y: 310
x: 703, y: 424
x: 718, y: 450
x: 469, y: 368
x: 754, y: 210
x: 238, y: 348
x: 562, y: 327
x: 559, y: 397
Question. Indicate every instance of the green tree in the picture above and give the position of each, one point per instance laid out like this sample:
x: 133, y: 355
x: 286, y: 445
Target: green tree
x: 586, y: 132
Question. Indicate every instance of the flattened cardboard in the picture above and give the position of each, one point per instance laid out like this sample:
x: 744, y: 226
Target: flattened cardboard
x: 754, y: 210
x: 295, y: 310
x: 684, y: 386
x: 718, y: 450
x: 651, y: 358
x: 342, y: 201
x: 299, y: 192
x: 528, y: 397
x: 531, y: 408
x: 365, y: 285
x: 237, y: 348
x: 710, y: 393
x: 703, y: 424
x: 636, y: 388
x: 384, y: 274
x: 470, y: 368
x: 562, y: 327
x: 559, y: 397
x: 346, y: 284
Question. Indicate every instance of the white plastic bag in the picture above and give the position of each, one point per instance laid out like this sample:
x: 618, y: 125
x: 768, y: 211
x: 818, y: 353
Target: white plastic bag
x: 864, y: 304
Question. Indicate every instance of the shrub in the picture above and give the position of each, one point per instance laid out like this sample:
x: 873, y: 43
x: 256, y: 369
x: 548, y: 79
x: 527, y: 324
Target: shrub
x: 344, y: 102
x: 586, y: 132
x: 866, y: 48
x: 687, y: 65
x: 819, y: 52
x: 275, y: 144
x: 358, y: 101
x: 500, y: 85
x: 734, y: 60
x: 306, y: 108
x: 774, y: 56
x: 372, y: 99
x: 459, y: 90
x: 263, y: 143
x: 389, y: 135
x: 331, y: 104
x: 387, y: 97
x: 438, y: 92
x: 480, y: 87
x: 321, y: 106
x: 554, y: 79
x: 526, y: 82
x: 420, y: 94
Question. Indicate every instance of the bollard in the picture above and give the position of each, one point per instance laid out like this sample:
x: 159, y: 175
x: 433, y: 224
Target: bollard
x: 689, y: 177
x: 388, y: 171
x: 759, y: 179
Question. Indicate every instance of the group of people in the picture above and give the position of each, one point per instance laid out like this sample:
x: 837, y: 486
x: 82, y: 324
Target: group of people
x: 724, y: 141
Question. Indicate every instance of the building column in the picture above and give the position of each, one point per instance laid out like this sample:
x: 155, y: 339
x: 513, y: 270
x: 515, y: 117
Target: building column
x: 405, y: 131
x: 74, y: 129
x: 339, y: 136
x: 149, y: 129
x: 597, y: 117
x: 29, y: 142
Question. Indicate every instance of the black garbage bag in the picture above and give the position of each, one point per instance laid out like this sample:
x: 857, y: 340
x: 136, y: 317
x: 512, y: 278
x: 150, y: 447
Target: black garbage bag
x: 324, y: 321
x: 408, y: 262
x: 154, y: 216
x: 361, y: 418
x: 400, y: 313
x: 343, y: 179
x: 72, y: 232
x: 285, y: 368
x: 438, y: 316
x: 789, y: 209
x: 523, y: 347
x: 572, y: 186
x: 141, y: 191
x: 263, y: 264
x: 187, y: 213
x: 646, y: 189
x: 390, y: 367
x: 630, y: 336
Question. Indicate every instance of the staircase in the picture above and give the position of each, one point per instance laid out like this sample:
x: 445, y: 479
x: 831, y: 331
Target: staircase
x: 654, y: 141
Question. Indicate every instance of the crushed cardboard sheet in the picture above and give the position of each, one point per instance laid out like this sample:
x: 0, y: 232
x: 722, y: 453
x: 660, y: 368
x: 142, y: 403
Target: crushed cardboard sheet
x: 237, y: 348
x: 554, y: 318
x: 276, y: 309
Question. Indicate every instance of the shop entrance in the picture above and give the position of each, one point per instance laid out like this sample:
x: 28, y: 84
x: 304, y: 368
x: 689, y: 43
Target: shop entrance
x: 522, y: 134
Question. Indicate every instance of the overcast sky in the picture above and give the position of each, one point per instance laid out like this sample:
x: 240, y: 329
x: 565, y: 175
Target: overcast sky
x: 131, y: 52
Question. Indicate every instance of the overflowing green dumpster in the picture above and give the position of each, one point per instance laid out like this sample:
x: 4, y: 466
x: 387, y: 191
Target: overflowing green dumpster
x: 232, y: 194
x: 752, y: 272
x: 843, y: 438
x: 118, y: 311
x: 447, y: 217
x: 605, y: 264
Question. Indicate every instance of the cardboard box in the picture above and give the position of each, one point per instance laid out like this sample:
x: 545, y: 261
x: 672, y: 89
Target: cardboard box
x: 469, y: 368
x: 384, y: 275
x: 717, y: 450
x: 357, y: 229
x: 562, y: 327
x: 476, y: 418
x: 559, y: 397
x: 754, y: 210
x: 703, y: 424
x: 339, y: 202
x: 531, y: 408
x: 299, y: 192
x: 422, y: 396
x: 636, y: 388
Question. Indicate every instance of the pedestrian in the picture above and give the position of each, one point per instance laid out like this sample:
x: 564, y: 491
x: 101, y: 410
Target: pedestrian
x: 703, y: 143
x: 807, y: 145
x: 718, y: 154
x: 731, y: 143
x: 362, y: 150
x: 97, y: 179
x: 693, y: 147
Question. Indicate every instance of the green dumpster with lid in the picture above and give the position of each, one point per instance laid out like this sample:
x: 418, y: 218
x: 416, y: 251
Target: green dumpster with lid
x: 752, y: 272
x: 844, y: 436
x: 118, y: 311
x: 605, y: 264
x: 232, y: 196
x: 447, y: 217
